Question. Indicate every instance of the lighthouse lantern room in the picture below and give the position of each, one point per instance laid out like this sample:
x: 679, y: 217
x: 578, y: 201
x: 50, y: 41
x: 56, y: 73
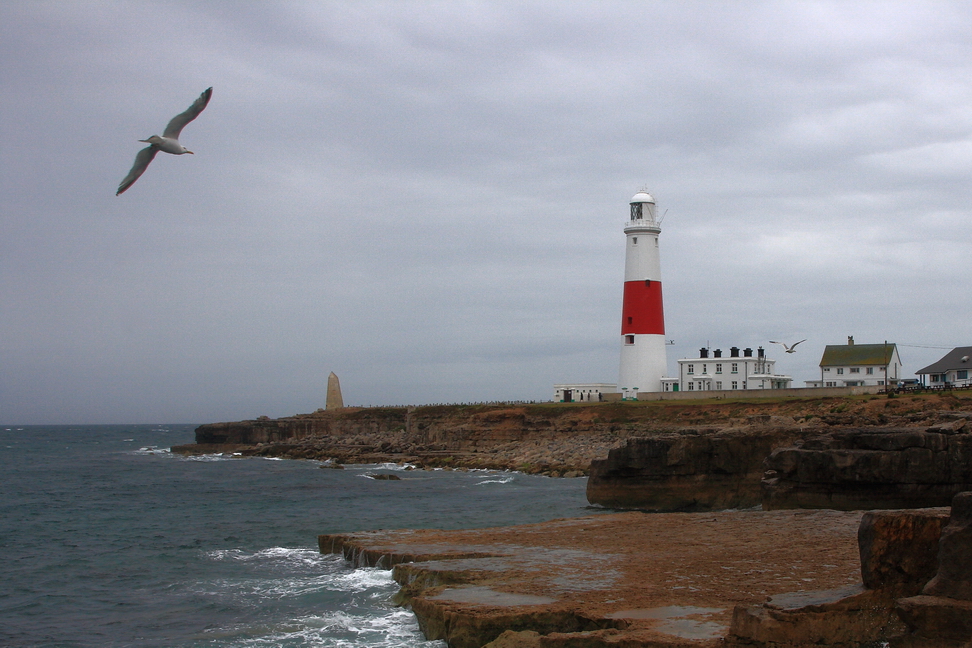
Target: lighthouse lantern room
x: 643, y: 355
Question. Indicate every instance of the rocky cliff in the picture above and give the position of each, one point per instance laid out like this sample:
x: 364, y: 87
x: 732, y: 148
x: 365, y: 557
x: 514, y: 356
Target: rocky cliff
x: 683, y: 455
x: 857, y: 468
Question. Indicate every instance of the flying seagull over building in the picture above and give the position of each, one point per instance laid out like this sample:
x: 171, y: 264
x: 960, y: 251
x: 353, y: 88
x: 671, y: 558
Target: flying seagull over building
x: 169, y: 142
x: 790, y: 348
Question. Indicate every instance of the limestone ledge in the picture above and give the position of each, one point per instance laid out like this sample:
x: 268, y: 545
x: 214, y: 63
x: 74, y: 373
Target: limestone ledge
x: 623, y: 579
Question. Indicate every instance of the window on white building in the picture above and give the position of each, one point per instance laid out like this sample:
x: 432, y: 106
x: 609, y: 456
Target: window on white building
x: 735, y: 368
x: 735, y: 384
x: 690, y: 369
x: 718, y: 368
x: 827, y: 369
x: 718, y: 384
x: 704, y: 369
x: 691, y: 386
x: 870, y: 371
x: 840, y: 371
x: 855, y: 370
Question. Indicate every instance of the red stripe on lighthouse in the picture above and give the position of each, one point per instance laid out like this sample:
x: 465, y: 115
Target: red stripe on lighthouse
x: 642, y: 310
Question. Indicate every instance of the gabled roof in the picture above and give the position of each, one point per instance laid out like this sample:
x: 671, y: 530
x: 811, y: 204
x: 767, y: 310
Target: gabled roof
x: 952, y: 360
x: 839, y: 355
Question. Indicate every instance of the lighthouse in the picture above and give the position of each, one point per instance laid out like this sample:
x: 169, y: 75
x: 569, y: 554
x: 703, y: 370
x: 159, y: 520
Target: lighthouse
x: 643, y: 357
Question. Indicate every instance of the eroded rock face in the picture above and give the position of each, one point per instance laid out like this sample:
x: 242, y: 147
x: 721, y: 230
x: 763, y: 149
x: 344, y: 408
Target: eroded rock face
x: 877, y: 468
x: 954, y: 578
x: 899, y: 548
x: 941, y: 617
x: 693, y: 470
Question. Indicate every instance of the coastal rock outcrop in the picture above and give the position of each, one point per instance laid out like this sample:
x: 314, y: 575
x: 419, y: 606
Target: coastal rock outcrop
x: 688, y: 470
x: 628, y: 580
x: 653, y: 455
x: 898, y: 552
x: 941, y: 616
x: 867, y: 468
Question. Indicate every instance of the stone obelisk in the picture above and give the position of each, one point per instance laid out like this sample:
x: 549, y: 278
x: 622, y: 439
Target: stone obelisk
x: 334, y: 400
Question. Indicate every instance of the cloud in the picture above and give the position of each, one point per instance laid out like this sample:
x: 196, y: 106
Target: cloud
x: 428, y: 198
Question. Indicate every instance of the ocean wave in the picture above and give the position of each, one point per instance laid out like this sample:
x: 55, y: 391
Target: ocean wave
x: 395, y: 628
x: 219, y: 456
x: 150, y: 450
x: 295, y: 555
x: 499, y: 480
x: 382, y: 466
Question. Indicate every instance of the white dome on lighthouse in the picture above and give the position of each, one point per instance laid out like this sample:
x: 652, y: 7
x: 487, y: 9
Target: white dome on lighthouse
x: 642, y: 197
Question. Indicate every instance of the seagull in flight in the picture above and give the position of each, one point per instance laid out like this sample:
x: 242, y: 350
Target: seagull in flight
x: 790, y: 348
x: 169, y: 142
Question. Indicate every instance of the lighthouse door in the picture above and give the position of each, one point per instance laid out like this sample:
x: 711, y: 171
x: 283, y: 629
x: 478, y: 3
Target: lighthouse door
x: 568, y: 396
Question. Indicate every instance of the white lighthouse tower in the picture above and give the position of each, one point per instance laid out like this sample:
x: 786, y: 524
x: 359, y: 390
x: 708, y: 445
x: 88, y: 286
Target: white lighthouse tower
x: 643, y: 356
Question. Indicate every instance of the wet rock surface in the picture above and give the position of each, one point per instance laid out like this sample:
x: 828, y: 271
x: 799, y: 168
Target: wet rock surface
x: 624, y: 579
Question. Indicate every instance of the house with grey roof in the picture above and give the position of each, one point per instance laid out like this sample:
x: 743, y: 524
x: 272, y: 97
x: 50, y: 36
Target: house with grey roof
x: 857, y: 365
x: 952, y: 370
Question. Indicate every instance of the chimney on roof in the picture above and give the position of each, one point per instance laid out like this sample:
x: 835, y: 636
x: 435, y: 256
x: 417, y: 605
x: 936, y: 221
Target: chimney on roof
x: 850, y: 340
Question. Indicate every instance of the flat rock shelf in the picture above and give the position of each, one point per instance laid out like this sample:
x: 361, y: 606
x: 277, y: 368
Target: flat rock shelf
x: 625, y: 579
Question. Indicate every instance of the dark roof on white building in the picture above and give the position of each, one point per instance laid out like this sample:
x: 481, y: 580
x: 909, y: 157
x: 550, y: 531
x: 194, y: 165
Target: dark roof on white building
x: 957, y: 358
x: 836, y: 355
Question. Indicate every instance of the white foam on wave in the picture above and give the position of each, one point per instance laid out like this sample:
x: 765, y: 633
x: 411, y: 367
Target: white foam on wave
x: 302, y: 571
x: 150, y: 450
x: 366, y: 620
x: 392, y: 628
x: 380, y: 466
x: 498, y: 480
x: 296, y: 555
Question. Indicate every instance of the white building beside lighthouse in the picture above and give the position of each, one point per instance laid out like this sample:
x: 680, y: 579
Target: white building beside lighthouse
x: 643, y: 356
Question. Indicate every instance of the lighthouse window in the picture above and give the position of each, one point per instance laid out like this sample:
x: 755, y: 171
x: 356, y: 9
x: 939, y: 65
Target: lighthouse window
x: 629, y: 320
x: 629, y: 339
x: 634, y: 240
x: 635, y: 211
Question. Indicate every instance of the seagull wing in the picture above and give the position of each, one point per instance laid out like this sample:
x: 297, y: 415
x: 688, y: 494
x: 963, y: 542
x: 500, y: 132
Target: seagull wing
x: 142, y: 160
x: 775, y: 342
x: 177, y: 123
x: 796, y: 343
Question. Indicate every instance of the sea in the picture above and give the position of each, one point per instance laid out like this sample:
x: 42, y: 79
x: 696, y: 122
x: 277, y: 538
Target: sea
x: 108, y: 539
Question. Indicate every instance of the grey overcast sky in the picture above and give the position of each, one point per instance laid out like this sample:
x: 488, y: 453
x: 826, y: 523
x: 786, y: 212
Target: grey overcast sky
x: 427, y: 198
